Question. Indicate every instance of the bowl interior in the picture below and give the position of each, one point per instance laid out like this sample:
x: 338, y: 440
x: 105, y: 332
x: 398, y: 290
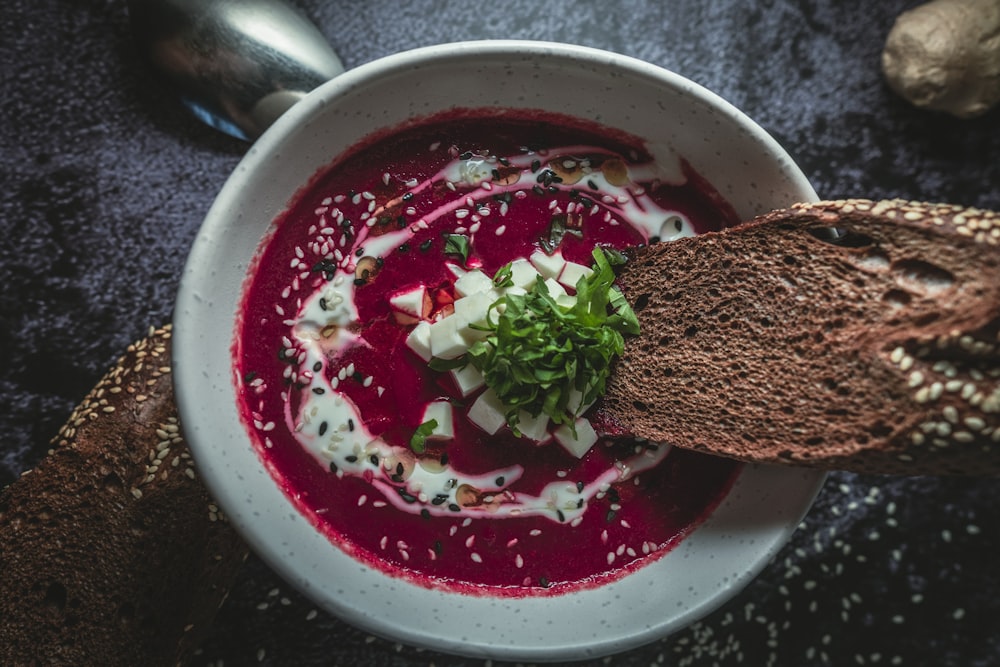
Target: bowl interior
x: 679, y: 120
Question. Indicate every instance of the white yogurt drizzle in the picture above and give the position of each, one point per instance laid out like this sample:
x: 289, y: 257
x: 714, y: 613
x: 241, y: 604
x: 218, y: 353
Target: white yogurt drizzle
x: 329, y: 425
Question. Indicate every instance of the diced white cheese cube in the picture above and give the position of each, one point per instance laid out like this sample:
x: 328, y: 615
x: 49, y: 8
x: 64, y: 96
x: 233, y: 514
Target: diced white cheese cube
x: 487, y: 412
x: 441, y: 412
x: 474, y: 307
x: 579, y: 445
x: 523, y: 274
x: 473, y: 282
x: 572, y: 273
x: 446, y: 339
x: 411, y: 302
x: 514, y: 290
x: 419, y: 340
x: 455, y: 269
x: 548, y: 266
x: 575, y: 402
x: 467, y: 379
x: 566, y: 300
x: 533, y: 428
x: 555, y: 289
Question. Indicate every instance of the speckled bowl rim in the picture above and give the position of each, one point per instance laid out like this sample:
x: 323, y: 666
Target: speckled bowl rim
x: 711, y: 565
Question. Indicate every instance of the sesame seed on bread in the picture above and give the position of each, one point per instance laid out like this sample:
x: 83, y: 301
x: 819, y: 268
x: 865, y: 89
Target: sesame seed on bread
x: 853, y: 335
x: 111, y: 550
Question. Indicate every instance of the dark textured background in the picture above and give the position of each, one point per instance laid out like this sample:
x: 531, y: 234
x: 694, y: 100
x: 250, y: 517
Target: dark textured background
x: 105, y: 181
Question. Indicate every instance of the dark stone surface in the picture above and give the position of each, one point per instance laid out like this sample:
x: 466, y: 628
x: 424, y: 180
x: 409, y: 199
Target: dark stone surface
x: 105, y: 182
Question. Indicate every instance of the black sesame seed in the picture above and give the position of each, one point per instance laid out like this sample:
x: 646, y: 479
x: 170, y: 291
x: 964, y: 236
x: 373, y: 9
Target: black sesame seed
x: 537, y: 189
x: 317, y: 367
x: 322, y: 427
x: 678, y: 225
x: 426, y: 245
x: 499, y: 481
x: 350, y: 424
x: 249, y: 377
x: 543, y: 582
x: 351, y: 458
x: 408, y: 196
x: 333, y: 467
x: 404, y: 247
x: 562, y: 517
x: 579, y: 486
x: 454, y: 508
x: 437, y: 547
x: 439, y: 500
x: 357, y: 376
x: 495, y: 174
x: 319, y: 391
x: 374, y: 459
x: 504, y: 161
x: 467, y: 155
x: 407, y: 496
x: 535, y: 165
x: 400, y: 469
x: 654, y: 239
x: 579, y: 503
x: 359, y: 282
x: 401, y: 221
x: 610, y: 516
x: 444, y: 459
x: 360, y: 252
x: 592, y: 185
x: 425, y: 513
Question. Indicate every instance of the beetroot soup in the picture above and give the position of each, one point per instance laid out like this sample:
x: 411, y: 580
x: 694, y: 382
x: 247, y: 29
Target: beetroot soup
x: 413, y: 470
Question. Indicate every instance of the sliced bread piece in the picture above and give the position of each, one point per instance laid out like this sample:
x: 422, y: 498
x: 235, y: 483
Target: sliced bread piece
x: 111, y: 551
x: 851, y: 335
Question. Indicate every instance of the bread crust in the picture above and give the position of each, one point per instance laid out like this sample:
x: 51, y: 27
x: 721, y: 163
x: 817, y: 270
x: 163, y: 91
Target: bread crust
x: 111, y: 550
x: 774, y: 342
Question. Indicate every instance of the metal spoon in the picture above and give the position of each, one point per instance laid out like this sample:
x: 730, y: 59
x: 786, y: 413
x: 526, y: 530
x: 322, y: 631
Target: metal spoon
x: 237, y: 65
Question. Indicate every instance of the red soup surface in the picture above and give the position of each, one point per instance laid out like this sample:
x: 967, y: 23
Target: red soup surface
x: 333, y: 388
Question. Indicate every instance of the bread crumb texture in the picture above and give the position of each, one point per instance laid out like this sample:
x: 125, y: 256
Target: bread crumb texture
x: 851, y: 334
x: 111, y: 550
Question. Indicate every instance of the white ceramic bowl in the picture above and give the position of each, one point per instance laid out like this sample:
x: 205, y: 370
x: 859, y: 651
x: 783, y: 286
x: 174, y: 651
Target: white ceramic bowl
x: 677, y: 118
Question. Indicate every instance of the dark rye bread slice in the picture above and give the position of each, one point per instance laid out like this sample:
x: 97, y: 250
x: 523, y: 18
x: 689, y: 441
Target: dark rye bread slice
x: 852, y: 335
x: 111, y: 551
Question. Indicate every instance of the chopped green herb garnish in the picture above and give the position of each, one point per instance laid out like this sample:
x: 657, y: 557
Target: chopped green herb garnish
x: 539, y: 354
x: 504, y: 277
x: 458, y: 245
x: 418, y: 440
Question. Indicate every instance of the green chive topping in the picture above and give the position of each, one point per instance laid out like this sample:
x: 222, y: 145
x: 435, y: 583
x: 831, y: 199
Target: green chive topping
x: 458, y: 246
x: 539, y: 354
x: 418, y: 441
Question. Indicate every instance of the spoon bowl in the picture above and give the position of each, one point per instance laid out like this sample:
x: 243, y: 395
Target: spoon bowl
x: 237, y: 65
